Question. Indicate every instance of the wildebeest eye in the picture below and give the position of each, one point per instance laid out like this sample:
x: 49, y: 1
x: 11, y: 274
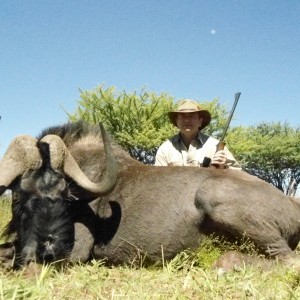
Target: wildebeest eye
x: 50, y: 239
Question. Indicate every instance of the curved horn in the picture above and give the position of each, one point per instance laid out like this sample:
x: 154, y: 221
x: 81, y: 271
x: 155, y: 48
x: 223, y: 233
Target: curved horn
x: 62, y: 159
x: 21, y: 157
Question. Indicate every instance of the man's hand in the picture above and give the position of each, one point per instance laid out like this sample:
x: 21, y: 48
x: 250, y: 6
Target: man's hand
x: 219, y: 159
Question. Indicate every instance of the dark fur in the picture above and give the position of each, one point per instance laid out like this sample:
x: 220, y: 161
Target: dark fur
x: 42, y: 218
x: 152, y: 212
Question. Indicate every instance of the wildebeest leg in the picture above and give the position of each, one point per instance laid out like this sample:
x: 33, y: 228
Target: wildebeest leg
x: 268, y: 242
x: 7, y: 255
x: 236, y: 220
x: 84, y: 223
x: 83, y: 243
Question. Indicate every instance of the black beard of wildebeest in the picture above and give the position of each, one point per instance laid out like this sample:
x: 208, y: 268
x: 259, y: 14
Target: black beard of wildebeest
x: 77, y: 197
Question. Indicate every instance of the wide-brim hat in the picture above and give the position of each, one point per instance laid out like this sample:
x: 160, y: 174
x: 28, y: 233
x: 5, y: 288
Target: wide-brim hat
x: 190, y: 106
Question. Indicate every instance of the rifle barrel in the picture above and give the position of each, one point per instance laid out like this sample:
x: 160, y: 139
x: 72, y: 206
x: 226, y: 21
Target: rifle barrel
x: 236, y: 99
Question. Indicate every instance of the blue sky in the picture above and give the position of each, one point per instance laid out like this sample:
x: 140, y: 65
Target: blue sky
x: 189, y: 48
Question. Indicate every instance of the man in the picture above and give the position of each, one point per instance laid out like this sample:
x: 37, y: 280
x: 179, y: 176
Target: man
x: 190, y: 146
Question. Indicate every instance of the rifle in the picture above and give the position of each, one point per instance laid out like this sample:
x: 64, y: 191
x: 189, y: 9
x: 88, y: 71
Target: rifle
x: 207, y: 160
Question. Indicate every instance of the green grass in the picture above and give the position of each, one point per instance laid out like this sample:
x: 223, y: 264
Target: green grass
x: 188, y: 276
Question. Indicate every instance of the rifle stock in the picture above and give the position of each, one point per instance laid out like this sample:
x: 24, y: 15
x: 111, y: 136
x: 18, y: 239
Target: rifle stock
x: 220, y: 146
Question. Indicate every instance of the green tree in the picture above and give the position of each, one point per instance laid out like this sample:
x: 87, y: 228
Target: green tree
x: 132, y: 119
x: 269, y: 151
x: 138, y: 119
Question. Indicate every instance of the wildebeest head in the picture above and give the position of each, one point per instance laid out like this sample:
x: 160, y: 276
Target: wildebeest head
x: 38, y: 173
x: 41, y: 217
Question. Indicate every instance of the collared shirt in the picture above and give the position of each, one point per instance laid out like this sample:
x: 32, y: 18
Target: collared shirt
x: 173, y: 152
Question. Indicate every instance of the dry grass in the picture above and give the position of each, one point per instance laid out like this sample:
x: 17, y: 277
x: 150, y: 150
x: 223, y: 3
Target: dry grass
x: 187, y: 276
x: 95, y: 281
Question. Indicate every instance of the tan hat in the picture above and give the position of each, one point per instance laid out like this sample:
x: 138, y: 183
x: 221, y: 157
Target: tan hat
x: 188, y: 106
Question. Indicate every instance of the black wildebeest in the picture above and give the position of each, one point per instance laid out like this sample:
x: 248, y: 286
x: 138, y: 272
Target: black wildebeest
x: 74, y: 196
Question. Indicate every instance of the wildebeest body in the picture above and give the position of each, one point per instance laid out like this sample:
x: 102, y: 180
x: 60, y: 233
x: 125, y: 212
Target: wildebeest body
x: 165, y: 210
x: 159, y: 211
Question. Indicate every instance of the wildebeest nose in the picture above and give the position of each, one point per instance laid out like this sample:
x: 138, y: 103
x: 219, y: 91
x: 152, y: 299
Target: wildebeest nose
x: 49, y: 257
x: 49, y: 252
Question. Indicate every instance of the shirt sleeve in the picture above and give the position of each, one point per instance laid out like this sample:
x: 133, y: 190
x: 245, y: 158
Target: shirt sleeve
x: 161, y: 158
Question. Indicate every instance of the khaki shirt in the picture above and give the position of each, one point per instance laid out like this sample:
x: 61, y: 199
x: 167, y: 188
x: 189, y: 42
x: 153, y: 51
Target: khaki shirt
x: 173, y: 152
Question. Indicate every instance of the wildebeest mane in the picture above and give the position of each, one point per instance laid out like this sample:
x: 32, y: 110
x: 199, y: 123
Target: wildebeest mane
x: 72, y: 131
x: 78, y: 136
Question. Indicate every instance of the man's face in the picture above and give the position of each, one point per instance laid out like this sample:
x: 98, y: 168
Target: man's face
x: 188, y: 123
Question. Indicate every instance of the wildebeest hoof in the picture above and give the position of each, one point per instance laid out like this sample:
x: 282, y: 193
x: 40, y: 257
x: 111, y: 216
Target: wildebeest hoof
x: 236, y: 261
x: 292, y: 261
x: 231, y: 261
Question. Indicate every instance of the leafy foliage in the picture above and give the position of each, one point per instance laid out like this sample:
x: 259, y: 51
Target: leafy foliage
x: 269, y: 151
x: 134, y: 120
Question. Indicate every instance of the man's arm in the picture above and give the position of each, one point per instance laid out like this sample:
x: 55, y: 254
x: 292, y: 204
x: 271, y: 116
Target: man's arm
x: 160, y: 158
